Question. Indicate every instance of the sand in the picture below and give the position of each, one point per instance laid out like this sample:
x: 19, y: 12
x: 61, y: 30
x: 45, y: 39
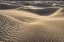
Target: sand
x: 7, y: 6
x: 25, y: 26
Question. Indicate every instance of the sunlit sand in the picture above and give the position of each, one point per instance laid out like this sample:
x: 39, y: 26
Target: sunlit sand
x: 24, y: 26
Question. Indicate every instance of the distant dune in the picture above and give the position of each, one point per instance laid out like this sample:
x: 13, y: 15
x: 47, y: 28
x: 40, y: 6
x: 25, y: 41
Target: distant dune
x: 59, y: 13
x: 42, y: 12
x: 5, y: 6
x: 24, y: 26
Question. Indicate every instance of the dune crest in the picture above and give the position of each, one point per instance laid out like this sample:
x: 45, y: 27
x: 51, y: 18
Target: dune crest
x: 58, y: 13
x: 44, y: 30
x: 10, y: 28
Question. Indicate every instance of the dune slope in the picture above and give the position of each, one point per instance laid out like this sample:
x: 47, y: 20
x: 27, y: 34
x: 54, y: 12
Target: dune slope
x: 40, y: 31
x: 5, y: 6
x: 59, y: 13
x: 27, y: 27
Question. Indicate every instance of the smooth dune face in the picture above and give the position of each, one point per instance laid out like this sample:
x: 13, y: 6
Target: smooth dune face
x: 22, y: 26
x: 41, y: 11
x: 6, y: 6
x: 59, y: 13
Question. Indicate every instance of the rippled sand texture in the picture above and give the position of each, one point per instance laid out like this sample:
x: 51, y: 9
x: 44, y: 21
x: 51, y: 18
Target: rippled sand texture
x: 22, y: 26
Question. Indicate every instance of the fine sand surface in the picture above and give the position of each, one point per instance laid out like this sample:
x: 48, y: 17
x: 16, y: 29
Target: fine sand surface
x: 25, y: 26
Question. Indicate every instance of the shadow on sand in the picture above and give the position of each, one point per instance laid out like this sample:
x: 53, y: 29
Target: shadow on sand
x: 4, y: 6
x: 42, y: 12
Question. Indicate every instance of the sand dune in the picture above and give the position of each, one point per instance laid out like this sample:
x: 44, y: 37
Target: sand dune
x: 42, y: 12
x: 23, y: 26
x: 5, y: 6
x: 59, y: 13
